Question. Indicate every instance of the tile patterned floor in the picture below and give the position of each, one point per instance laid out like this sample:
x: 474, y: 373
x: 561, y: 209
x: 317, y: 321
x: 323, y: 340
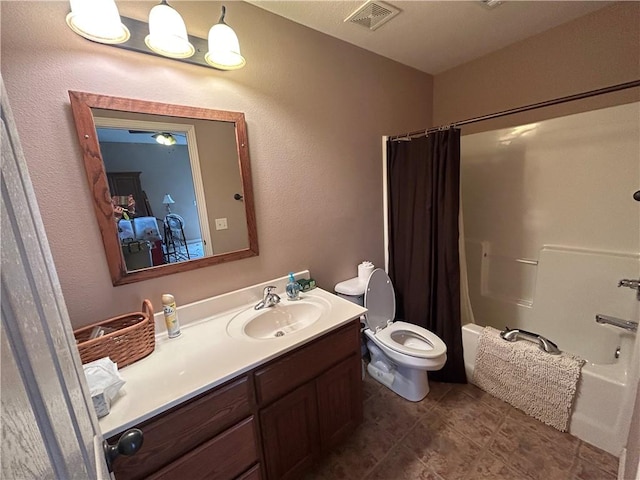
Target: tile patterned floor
x: 458, y: 432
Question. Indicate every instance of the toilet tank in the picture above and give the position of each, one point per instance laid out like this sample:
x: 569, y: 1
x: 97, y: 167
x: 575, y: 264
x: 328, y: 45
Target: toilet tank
x: 352, y: 290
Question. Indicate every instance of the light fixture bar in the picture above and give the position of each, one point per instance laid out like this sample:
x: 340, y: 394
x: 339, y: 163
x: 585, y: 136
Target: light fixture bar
x: 139, y: 30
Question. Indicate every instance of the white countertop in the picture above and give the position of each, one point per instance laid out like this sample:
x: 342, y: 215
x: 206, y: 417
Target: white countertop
x: 205, y: 355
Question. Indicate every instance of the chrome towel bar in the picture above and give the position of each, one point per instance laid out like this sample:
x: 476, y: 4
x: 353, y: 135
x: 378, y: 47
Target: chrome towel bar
x: 544, y: 344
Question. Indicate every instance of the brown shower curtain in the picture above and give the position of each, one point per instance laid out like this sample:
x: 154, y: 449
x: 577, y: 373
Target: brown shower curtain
x: 424, y: 264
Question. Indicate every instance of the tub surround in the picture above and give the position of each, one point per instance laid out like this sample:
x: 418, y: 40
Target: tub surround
x: 205, y: 356
x: 573, y: 285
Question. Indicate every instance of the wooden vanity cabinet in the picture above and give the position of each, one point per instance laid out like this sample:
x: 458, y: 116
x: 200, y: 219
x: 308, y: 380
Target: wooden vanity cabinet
x: 212, y: 436
x: 273, y: 422
x: 313, y: 400
x: 223, y: 457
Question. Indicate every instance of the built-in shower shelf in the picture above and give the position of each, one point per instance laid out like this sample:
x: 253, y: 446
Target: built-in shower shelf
x: 520, y: 302
x: 526, y: 261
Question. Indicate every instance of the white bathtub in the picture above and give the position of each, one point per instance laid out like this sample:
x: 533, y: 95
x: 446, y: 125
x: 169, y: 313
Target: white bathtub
x: 602, y: 409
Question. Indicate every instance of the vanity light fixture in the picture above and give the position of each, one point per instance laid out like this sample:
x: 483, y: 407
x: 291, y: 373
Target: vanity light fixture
x: 167, y: 201
x: 168, y: 33
x: 97, y: 20
x: 165, y: 34
x: 224, y: 48
x: 164, y: 138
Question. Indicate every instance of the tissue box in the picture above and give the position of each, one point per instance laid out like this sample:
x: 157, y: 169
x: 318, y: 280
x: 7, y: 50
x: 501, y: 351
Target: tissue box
x: 104, y: 382
x: 101, y: 404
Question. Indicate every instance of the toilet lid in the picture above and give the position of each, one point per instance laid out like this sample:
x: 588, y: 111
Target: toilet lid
x: 380, y: 300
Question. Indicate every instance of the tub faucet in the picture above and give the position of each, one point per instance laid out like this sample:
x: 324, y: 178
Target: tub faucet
x: 617, y: 322
x: 270, y: 299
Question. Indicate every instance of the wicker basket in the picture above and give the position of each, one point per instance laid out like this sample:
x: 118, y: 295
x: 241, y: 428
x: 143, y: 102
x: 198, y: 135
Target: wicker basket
x: 133, y: 338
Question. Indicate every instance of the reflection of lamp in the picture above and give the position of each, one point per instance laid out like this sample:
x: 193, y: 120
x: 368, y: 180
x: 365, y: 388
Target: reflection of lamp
x: 167, y: 200
x: 168, y: 33
x: 97, y: 20
x: 224, y: 48
x: 164, y: 138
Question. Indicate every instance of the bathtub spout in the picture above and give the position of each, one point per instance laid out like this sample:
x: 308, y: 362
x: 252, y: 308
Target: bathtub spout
x: 617, y: 322
x: 545, y: 344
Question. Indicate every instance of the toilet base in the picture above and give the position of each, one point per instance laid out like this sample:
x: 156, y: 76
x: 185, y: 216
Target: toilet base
x: 409, y: 383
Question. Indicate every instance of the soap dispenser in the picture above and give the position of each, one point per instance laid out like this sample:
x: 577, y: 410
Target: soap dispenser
x: 293, y: 288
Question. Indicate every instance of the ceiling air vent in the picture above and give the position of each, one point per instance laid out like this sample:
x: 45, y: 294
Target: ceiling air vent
x: 373, y: 15
x: 490, y: 4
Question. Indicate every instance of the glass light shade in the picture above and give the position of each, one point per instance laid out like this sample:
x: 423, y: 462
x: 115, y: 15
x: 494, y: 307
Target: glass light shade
x: 165, y: 138
x: 167, y: 200
x: 97, y: 20
x: 224, y: 48
x: 168, y: 33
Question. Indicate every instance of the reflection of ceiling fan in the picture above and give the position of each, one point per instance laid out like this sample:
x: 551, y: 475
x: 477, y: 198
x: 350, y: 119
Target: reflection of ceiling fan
x: 163, y: 138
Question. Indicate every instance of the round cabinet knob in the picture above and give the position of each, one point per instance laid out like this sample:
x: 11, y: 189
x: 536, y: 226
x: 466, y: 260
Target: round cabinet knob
x: 128, y: 444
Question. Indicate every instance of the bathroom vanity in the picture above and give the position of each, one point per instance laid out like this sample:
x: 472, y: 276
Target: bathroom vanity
x: 296, y: 397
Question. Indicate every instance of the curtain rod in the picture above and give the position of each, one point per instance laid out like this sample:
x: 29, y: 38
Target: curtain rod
x: 526, y: 108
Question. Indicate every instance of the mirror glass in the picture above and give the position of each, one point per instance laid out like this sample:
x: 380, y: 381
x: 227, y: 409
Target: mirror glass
x: 171, y: 184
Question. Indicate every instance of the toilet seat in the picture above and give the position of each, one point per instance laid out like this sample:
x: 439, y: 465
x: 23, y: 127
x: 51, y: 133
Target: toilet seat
x: 412, y: 340
x: 402, y: 337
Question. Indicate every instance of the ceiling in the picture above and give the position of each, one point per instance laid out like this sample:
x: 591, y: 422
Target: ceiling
x: 434, y: 36
x: 121, y: 135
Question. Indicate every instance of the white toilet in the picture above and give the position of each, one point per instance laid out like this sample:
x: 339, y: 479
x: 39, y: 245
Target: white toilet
x: 401, y: 353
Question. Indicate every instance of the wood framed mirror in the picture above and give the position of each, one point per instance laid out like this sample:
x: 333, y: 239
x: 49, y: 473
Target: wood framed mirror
x: 172, y: 207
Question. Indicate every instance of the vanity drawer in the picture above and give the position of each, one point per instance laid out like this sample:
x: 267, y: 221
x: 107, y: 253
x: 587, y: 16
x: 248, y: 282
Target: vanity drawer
x: 222, y: 458
x: 170, y: 435
x: 304, y: 364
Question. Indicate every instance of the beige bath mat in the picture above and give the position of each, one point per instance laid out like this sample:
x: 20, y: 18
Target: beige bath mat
x: 538, y: 383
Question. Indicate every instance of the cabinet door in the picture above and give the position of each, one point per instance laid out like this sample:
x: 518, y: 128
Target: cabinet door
x: 290, y: 433
x: 253, y: 474
x: 339, y: 401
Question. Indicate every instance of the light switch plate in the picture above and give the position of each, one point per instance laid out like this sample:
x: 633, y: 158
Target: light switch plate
x: 221, y: 224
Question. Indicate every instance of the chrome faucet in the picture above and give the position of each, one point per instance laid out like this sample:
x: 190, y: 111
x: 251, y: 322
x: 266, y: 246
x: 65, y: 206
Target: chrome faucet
x: 634, y: 284
x: 270, y: 299
x: 617, y: 322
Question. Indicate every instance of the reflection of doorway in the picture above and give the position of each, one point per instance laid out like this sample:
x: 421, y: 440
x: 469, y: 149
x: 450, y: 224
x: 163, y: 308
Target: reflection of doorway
x: 128, y: 149
x: 128, y: 183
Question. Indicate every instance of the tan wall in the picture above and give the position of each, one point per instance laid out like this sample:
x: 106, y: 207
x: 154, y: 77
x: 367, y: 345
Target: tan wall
x: 591, y: 52
x: 315, y: 107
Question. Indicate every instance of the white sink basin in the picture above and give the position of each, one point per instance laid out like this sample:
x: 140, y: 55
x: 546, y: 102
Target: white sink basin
x: 283, y: 319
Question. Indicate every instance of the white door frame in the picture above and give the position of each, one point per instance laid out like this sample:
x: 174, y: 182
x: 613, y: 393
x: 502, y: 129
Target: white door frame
x: 49, y: 427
